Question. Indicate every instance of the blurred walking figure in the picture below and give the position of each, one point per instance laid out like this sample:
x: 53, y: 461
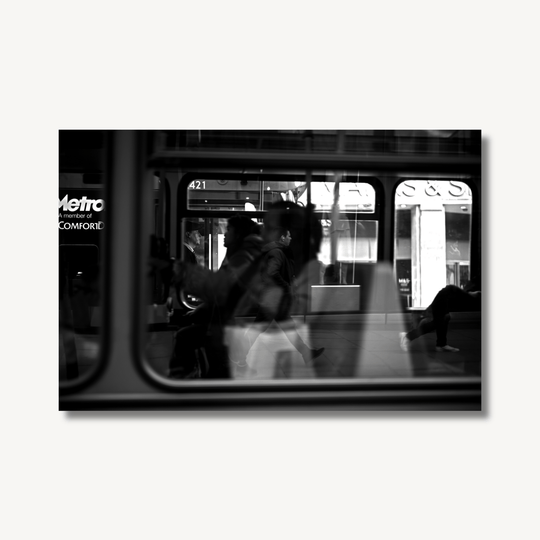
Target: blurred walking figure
x: 437, y: 316
x: 221, y: 293
x: 278, y: 293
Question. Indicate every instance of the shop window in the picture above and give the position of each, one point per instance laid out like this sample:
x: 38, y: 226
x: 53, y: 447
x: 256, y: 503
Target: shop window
x: 432, y: 238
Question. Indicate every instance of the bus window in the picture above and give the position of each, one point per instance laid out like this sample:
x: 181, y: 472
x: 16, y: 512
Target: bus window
x: 345, y: 206
x: 432, y: 238
x: 349, y: 246
x: 245, y: 192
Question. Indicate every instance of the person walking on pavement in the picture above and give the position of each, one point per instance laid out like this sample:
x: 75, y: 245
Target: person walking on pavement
x: 277, y: 293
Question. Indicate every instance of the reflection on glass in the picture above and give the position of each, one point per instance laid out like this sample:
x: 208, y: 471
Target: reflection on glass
x: 432, y: 238
x: 342, y: 313
x: 351, y: 196
x: 348, y: 241
x: 458, y: 243
x: 223, y: 194
x: 244, y: 192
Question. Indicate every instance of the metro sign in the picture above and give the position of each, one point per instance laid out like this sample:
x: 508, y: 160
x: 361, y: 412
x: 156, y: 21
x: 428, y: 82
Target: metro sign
x: 84, y: 204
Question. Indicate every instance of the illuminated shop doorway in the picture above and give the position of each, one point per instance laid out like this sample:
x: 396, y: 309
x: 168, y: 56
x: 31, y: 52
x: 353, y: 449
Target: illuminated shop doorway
x: 432, y: 238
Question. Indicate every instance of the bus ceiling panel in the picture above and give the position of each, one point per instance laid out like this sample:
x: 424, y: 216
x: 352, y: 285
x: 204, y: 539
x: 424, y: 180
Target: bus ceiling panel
x: 433, y: 164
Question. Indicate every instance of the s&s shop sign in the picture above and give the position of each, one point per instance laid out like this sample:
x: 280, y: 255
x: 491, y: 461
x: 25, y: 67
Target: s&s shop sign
x: 80, y: 212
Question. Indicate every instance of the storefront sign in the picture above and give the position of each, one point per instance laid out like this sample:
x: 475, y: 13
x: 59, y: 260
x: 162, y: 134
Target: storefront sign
x: 418, y: 191
x: 80, y: 212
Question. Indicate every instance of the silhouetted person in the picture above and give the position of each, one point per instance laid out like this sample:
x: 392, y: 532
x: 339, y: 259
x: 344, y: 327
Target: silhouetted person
x: 437, y: 316
x: 192, y: 239
x: 221, y: 292
x: 277, y: 294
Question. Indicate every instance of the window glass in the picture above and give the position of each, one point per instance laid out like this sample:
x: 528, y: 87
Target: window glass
x: 341, y: 206
x: 244, y: 193
x: 348, y: 240
x: 223, y: 194
x: 350, y: 197
x: 458, y: 243
x: 432, y: 238
x: 336, y: 307
x: 253, y: 192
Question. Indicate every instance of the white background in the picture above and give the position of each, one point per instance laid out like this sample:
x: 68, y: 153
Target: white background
x: 280, y: 64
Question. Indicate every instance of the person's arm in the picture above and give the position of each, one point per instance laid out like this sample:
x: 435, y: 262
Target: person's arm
x: 203, y: 283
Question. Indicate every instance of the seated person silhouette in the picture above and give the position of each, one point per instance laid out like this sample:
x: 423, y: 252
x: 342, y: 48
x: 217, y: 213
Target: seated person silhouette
x: 437, y: 316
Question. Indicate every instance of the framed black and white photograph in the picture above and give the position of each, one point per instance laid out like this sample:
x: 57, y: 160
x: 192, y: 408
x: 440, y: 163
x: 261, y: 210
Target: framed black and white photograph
x: 289, y: 290
x: 270, y: 269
